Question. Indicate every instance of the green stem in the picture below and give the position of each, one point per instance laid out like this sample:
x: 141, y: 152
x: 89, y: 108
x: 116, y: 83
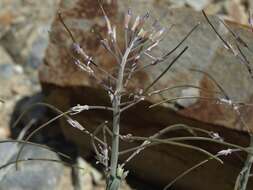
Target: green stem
x: 243, y: 177
x: 116, y: 120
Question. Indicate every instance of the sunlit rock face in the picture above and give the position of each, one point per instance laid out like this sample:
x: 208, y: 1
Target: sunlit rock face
x: 65, y: 86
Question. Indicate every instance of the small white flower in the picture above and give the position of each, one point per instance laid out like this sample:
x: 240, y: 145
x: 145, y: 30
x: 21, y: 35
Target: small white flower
x: 216, y: 136
x: 126, y: 137
x: 75, y: 47
x: 142, y: 98
x: 79, y: 108
x: 140, y: 91
x: 128, y: 16
x: 84, y: 67
x: 89, y: 62
x: 226, y: 101
x: 136, y: 23
x: 110, y: 95
x: 102, y: 156
x: 114, y: 33
x: 225, y: 152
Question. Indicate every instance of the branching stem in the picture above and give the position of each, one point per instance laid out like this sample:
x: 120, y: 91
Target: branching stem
x: 116, y: 116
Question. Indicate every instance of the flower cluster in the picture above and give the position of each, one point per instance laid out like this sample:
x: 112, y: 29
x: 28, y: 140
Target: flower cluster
x: 216, y: 136
x: 141, y: 38
x: 226, y: 152
x: 78, y: 109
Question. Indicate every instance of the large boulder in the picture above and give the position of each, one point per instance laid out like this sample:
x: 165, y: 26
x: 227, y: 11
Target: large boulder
x: 31, y: 173
x: 65, y: 86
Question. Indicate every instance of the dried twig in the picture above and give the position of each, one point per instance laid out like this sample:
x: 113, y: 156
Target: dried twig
x: 166, y: 70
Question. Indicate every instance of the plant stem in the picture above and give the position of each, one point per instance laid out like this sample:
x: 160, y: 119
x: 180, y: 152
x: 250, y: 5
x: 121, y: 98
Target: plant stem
x: 116, y: 118
x: 243, y: 177
x: 115, y: 137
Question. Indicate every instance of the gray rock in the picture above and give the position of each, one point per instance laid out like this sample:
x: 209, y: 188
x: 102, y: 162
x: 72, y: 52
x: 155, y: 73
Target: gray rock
x: 20, y: 28
x: 7, y: 71
x: 5, y: 57
x: 198, y: 5
x: 14, y: 84
x: 37, y: 50
x: 31, y: 175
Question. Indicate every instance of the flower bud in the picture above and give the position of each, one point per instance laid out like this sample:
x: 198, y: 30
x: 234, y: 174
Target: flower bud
x: 136, y: 23
x: 128, y: 17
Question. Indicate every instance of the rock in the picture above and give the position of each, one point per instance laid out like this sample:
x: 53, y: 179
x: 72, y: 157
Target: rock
x: 4, y: 132
x: 95, y: 175
x: 65, y: 181
x: 9, y: 70
x: 31, y: 174
x: 5, y: 57
x: 66, y: 86
x: 14, y: 85
x: 5, y: 20
x: 84, y: 176
x: 188, y: 92
x: 198, y: 5
x: 23, y: 37
x: 236, y: 11
x: 38, y: 47
x: 24, y: 29
x: 209, y: 47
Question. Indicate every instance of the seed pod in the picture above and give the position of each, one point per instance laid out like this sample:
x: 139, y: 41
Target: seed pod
x: 136, y: 23
x: 78, y: 52
x: 128, y: 17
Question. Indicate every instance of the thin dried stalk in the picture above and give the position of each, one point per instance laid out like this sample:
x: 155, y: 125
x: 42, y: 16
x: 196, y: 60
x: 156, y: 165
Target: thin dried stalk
x: 182, y: 98
x: 38, y: 145
x: 116, y: 117
x: 166, y: 70
x: 181, y: 86
x: 167, y: 141
x: 61, y: 114
x: 243, y: 177
x: 186, y: 172
x: 38, y: 159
